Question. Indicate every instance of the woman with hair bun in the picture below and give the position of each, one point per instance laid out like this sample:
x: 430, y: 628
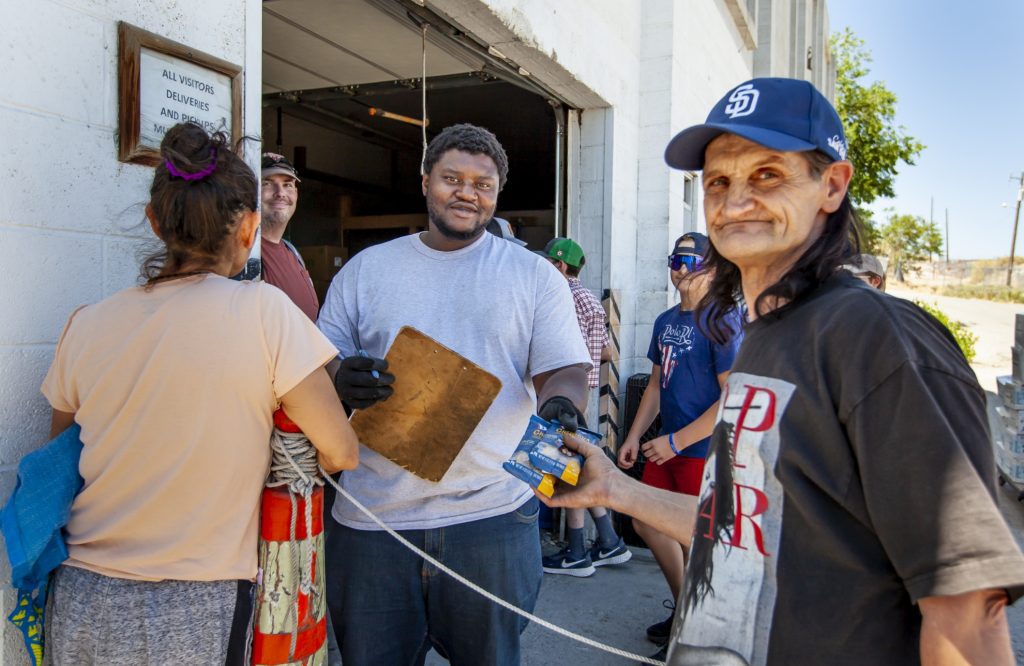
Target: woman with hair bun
x: 174, y: 383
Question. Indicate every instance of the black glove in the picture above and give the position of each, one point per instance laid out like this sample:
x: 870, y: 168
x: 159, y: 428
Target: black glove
x: 564, y: 411
x: 361, y: 381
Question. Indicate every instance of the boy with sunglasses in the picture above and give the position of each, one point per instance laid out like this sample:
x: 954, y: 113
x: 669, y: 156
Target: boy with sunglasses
x: 686, y: 381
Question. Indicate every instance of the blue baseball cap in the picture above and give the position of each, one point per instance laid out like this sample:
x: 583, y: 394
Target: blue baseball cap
x: 700, y: 244
x: 781, y: 114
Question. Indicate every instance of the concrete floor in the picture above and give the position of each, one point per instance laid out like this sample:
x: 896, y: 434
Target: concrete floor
x: 615, y: 606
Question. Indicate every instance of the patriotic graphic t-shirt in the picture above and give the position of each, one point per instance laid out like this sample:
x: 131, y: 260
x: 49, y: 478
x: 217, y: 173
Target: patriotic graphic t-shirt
x: 690, y: 365
x: 850, y: 475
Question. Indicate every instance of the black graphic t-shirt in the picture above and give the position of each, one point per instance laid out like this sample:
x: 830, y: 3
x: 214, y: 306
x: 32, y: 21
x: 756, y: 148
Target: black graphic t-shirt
x: 850, y: 474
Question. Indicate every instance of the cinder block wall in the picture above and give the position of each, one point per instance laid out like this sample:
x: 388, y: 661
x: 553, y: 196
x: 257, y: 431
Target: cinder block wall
x: 71, y: 215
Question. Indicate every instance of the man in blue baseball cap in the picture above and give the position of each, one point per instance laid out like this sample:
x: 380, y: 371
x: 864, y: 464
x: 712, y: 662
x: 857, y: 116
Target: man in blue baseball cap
x: 848, y: 512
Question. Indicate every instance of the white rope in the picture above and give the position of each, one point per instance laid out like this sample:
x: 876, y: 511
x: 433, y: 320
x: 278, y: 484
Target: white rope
x: 287, y: 453
x: 423, y: 87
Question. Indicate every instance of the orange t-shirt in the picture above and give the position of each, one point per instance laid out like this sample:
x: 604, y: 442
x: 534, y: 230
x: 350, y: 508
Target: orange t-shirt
x: 174, y: 389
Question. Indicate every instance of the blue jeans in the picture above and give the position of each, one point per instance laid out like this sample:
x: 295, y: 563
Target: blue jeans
x: 389, y: 607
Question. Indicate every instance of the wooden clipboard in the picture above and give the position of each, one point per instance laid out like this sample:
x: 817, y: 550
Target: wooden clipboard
x: 439, y: 399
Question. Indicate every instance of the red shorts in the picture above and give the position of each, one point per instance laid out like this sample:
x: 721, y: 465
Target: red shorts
x: 680, y: 475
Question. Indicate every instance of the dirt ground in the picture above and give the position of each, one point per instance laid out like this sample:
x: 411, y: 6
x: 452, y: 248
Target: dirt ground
x: 992, y: 322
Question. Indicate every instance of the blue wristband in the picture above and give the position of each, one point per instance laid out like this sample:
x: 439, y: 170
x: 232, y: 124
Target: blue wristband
x: 672, y: 444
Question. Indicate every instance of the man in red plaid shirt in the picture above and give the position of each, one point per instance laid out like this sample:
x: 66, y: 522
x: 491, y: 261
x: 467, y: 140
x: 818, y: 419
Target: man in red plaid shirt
x: 574, y: 559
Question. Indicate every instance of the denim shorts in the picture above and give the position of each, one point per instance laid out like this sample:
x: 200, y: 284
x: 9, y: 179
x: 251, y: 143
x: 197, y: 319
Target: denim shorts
x: 389, y: 606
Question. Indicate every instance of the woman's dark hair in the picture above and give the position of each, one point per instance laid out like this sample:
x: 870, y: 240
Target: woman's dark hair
x: 200, y: 189
x: 716, y: 518
x: 838, y: 242
x: 469, y: 139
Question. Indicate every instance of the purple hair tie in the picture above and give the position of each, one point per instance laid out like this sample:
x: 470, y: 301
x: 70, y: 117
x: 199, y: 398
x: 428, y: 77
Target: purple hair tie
x: 198, y: 175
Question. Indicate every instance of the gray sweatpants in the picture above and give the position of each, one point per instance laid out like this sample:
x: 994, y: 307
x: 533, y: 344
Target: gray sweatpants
x: 96, y: 619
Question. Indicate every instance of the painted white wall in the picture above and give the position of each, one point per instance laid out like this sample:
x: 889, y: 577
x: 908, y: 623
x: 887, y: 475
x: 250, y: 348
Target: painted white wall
x: 71, y: 216
x: 692, y: 53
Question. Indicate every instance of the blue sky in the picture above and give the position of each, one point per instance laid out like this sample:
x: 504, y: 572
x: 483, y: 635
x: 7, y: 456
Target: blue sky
x: 957, y: 69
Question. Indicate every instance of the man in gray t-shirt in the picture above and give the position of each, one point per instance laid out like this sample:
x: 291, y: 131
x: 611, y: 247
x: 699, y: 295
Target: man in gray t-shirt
x: 508, y: 311
x: 847, y: 512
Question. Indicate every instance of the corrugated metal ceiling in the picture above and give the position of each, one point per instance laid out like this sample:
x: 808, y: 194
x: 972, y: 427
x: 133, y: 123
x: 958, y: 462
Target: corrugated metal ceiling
x: 309, y: 44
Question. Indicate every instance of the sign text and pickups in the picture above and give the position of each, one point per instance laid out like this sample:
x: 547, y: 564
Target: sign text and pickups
x: 175, y: 91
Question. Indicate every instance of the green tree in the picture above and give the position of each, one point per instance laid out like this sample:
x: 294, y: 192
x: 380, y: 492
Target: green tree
x: 876, y: 143
x: 908, y: 239
x: 870, y: 236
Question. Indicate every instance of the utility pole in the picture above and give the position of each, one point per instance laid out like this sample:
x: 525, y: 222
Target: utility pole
x: 1016, y: 219
x: 931, y: 225
x: 947, y: 237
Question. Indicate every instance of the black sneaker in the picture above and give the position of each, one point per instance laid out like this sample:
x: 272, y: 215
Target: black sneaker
x: 659, y: 631
x: 563, y: 562
x: 618, y: 554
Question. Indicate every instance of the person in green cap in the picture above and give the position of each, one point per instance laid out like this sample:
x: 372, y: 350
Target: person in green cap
x: 575, y: 560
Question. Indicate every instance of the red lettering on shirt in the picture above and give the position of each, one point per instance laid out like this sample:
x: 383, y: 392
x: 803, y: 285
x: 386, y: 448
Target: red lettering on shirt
x: 760, y: 505
x: 767, y: 414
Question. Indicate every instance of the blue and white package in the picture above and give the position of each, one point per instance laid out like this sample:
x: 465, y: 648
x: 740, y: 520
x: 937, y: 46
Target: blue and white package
x: 519, y: 464
x: 551, y: 456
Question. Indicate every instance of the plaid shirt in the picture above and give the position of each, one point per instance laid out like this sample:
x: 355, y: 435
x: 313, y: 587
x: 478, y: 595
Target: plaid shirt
x: 591, y: 317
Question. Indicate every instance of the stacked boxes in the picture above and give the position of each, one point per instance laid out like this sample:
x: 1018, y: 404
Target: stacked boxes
x: 1010, y: 438
x: 322, y: 262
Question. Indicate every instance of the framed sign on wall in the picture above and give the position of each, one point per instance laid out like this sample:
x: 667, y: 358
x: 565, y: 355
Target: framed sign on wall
x: 162, y: 83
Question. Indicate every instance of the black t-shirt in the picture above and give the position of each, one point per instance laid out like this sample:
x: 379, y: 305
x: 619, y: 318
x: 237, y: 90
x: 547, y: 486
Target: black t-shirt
x: 850, y: 475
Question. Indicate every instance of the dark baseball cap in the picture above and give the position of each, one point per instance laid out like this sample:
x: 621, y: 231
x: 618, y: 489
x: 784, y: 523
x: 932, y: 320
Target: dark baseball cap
x: 781, y: 114
x: 700, y: 244
x: 277, y: 164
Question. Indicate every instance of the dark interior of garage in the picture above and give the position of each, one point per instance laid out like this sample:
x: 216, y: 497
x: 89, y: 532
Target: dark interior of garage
x: 343, y: 99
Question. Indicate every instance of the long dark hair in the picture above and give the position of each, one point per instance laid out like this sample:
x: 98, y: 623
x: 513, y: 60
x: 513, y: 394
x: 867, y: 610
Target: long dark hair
x: 716, y: 518
x: 200, y: 189
x: 838, y: 242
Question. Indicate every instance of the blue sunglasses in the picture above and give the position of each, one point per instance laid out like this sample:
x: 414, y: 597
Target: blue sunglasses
x: 691, y: 261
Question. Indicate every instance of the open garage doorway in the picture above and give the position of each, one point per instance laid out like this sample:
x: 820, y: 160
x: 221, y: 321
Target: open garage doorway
x: 343, y: 97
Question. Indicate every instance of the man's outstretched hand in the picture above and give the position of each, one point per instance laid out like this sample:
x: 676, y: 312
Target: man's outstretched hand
x: 599, y: 482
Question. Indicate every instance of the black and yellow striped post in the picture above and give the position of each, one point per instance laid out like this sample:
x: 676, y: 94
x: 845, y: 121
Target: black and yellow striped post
x: 608, y: 405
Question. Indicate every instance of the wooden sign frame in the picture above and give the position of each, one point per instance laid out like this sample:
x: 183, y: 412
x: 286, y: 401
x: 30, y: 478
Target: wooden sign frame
x: 131, y: 41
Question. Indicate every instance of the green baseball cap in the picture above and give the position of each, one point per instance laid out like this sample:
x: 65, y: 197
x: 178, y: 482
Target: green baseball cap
x: 564, y: 249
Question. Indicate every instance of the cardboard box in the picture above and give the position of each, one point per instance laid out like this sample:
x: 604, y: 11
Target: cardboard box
x: 323, y: 261
x: 320, y: 287
x: 1012, y: 418
x: 1013, y: 441
x: 1011, y: 391
x: 1011, y: 465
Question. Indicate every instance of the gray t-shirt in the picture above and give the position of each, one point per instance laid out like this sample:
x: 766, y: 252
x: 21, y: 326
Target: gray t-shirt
x: 850, y: 475
x: 499, y: 305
